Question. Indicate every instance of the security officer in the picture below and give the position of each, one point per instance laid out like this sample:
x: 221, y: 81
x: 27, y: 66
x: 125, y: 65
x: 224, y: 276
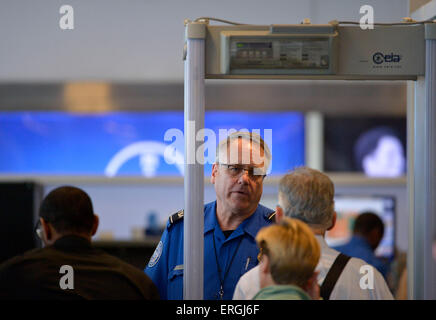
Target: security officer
x: 230, y: 223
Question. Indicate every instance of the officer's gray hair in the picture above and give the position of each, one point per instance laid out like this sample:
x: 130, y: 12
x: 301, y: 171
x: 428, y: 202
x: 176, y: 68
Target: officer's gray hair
x: 308, y: 195
x: 254, y: 138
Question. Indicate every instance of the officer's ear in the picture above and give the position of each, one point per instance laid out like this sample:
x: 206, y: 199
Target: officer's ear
x: 214, y: 173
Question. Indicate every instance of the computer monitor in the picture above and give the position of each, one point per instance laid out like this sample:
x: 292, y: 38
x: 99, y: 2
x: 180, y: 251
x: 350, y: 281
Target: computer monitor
x: 375, y: 146
x: 348, y: 207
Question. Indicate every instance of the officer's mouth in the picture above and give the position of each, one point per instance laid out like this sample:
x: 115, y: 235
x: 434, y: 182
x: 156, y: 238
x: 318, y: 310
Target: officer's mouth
x: 239, y: 192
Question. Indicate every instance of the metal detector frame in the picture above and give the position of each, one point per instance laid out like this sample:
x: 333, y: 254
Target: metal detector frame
x: 415, y: 43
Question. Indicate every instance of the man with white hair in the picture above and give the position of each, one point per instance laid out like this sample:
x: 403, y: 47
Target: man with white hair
x: 230, y: 223
x: 307, y: 194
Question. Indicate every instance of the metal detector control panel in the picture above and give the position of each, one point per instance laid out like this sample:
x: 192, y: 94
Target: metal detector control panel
x: 281, y: 50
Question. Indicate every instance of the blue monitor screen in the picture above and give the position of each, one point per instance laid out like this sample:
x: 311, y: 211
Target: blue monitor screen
x: 129, y: 143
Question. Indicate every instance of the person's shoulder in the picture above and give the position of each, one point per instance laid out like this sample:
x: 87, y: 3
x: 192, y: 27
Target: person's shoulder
x: 349, y: 287
x: 353, y: 265
x: 264, y: 209
x: 250, y: 274
x: 248, y: 285
x: 136, y: 276
x: 16, y: 269
x: 33, y: 254
x: 356, y: 263
x: 9, y: 265
x: 268, y: 214
x: 136, y: 273
x: 359, y: 267
x: 116, y: 263
x: 178, y: 217
x: 175, y: 218
x: 338, y: 248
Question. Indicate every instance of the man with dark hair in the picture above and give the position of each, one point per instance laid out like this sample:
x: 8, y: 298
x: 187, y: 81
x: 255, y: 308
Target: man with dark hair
x: 68, y: 267
x: 370, y: 225
x: 68, y: 210
x: 367, y: 233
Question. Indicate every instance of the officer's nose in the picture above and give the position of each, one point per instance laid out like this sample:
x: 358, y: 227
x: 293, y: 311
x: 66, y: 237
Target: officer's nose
x: 244, y: 177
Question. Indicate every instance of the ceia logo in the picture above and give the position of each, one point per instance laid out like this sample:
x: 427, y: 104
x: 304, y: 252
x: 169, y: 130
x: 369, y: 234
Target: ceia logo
x: 379, y: 58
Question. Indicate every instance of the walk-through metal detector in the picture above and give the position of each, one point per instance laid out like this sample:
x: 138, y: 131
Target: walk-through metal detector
x: 335, y: 51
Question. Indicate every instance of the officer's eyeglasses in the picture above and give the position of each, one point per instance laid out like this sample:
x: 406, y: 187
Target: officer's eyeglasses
x: 255, y: 174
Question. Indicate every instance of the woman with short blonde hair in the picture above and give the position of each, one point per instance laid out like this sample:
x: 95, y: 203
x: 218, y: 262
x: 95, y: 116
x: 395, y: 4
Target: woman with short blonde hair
x: 289, y: 254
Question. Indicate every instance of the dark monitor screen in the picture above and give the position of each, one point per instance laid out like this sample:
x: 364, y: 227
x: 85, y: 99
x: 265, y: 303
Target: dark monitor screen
x: 348, y: 207
x: 375, y: 146
x: 19, y: 202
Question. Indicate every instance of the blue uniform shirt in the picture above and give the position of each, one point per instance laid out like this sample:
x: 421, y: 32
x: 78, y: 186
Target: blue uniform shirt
x: 165, y: 267
x: 358, y: 247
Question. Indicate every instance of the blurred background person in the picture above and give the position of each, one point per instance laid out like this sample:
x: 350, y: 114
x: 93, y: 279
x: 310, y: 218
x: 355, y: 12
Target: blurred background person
x: 368, y: 231
x: 401, y: 292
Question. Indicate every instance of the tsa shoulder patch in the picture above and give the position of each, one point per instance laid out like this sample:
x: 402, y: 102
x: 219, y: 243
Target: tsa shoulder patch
x: 156, y: 255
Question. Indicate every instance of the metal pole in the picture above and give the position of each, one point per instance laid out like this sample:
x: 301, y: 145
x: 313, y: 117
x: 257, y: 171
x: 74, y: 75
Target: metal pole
x: 411, y: 96
x: 193, y: 238
x: 430, y: 94
x: 424, y: 175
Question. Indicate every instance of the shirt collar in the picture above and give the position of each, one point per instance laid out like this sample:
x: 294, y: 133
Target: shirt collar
x: 249, y: 225
x: 72, y: 242
x: 321, y: 241
x: 210, y: 217
x: 284, y: 289
x: 252, y: 223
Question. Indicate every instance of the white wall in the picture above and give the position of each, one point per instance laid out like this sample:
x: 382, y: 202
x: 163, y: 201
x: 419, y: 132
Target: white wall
x: 138, y: 40
x: 425, y: 12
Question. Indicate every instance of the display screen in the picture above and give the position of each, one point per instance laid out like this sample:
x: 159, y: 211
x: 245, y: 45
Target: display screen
x: 131, y: 143
x: 348, y: 207
x: 375, y: 146
x: 280, y: 54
